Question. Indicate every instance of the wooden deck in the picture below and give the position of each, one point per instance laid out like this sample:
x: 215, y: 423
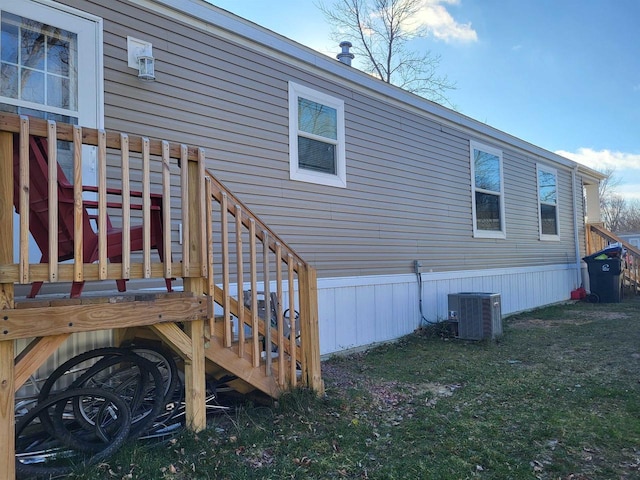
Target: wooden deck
x: 210, y: 239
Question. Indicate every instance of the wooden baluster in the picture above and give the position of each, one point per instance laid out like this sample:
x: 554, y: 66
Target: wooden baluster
x: 146, y: 210
x: 102, y: 204
x: 280, y: 318
x: 203, y: 217
x: 292, y: 322
x: 126, y: 206
x: 211, y: 283
x: 166, y: 209
x: 52, y: 154
x: 240, y: 279
x: 186, y: 237
x: 255, y: 340
x: 24, y: 200
x: 78, y: 207
x: 268, y: 347
x: 226, y: 298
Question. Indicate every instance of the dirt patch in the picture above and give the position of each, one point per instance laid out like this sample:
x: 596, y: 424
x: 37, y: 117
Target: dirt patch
x: 401, y: 398
x: 576, y: 318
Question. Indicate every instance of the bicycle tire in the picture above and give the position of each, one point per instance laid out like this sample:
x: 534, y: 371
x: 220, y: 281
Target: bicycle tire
x: 41, y: 452
x: 163, y: 358
x: 69, y: 371
x: 73, y: 368
x: 147, y: 399
x: 171, y: 409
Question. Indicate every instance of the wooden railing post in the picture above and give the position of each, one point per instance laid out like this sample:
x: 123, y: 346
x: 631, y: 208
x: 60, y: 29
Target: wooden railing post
x: 7, y: 354
x: 309, y: 330
x: 193, y: 204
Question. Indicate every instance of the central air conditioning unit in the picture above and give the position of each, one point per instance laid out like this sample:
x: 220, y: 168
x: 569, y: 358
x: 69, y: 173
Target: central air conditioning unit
x: 478, y: 315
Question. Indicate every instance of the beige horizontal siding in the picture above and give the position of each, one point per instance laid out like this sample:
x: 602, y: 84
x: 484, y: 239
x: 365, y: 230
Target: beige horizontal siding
x: 409, y: 181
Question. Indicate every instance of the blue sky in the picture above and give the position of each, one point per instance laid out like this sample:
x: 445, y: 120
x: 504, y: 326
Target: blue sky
x: 561, y: 74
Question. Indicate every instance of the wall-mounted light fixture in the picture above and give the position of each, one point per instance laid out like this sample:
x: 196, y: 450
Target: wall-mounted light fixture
x: 140, y: 57
x: 145, y: 67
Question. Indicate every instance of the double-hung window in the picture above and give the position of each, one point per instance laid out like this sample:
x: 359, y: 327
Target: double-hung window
x: 316, y: 137
x: 548, y: 202
x: 488, y: 191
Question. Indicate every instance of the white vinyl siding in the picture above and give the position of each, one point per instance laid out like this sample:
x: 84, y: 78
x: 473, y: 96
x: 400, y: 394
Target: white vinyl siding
x: 548, y: 202
x: 316, y: 137
x: 488, y: 191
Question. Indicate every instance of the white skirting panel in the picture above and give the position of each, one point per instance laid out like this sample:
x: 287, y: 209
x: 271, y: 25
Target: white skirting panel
x: 358, y: 311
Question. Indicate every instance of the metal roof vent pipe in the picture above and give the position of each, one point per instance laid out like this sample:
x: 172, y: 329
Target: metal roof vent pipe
x: 345, y: 56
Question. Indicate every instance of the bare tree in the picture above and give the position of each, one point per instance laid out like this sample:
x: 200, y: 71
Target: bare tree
x: 613, y: 206
x: 380, y: 31
x: 630, y: 221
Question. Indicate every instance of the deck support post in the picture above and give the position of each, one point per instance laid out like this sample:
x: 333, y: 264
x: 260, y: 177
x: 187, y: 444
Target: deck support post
x: 194, y: 368
x: 7, y: 353
x: 310, y: 332
x: 194, y: 204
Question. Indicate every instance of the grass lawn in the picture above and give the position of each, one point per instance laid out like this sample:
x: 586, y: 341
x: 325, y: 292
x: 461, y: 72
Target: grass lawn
x: 556, y: 397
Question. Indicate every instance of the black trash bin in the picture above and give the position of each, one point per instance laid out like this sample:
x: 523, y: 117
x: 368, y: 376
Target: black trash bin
x: 605, y: 275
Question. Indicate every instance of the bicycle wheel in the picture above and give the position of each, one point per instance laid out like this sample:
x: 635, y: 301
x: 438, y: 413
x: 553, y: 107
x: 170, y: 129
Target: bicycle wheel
x: 134, y: 378
x: 69, y: 371
x: 41, y: 451
x: 163, y: 360
x: 170, y: 421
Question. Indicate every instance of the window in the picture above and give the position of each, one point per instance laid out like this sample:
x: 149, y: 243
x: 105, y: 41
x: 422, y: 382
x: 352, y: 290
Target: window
x: 316, y: 137
x: 487, y: 188
x: 50, y: 67
x: 548, y: 203
x: 39, y: 65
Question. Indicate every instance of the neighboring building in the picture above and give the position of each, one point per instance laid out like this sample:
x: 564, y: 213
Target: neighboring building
x: 631, y: 238
x: 366, y: 181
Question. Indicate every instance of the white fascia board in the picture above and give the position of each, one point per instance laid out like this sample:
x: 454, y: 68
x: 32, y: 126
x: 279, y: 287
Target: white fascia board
x: 208, y: 17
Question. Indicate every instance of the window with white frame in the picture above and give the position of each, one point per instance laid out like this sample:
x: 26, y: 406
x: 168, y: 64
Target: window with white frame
x: 316, y: 137
x: 51, y: 67
x: 548, y: 202
x: 488, y: 191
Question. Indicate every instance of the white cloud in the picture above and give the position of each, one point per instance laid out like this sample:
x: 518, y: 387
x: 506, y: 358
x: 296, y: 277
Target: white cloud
x: 630, y: 191
x: 438, y: 21
x: 602, y: 159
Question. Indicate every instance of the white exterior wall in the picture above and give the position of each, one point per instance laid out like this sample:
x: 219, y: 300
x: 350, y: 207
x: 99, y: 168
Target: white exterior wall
x: 358, y: 311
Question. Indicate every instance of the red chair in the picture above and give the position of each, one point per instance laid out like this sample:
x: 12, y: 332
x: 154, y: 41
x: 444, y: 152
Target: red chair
x: 39, y: 216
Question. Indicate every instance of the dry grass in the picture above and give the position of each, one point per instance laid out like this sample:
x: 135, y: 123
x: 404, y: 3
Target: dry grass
x: 557, y: 397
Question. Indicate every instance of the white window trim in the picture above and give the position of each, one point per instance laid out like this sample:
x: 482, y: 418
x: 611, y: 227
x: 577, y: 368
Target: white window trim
x: 91, y: 106
x: 90, y: 76
x: 301, y: 174
x: 477, y: 233
x: 547, y: 237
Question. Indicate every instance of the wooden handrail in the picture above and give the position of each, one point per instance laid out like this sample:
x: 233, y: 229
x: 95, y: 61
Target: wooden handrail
x: 226, y: 244
x: 206, y: 251
x: 10, y: 122
x: 240, y: 229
